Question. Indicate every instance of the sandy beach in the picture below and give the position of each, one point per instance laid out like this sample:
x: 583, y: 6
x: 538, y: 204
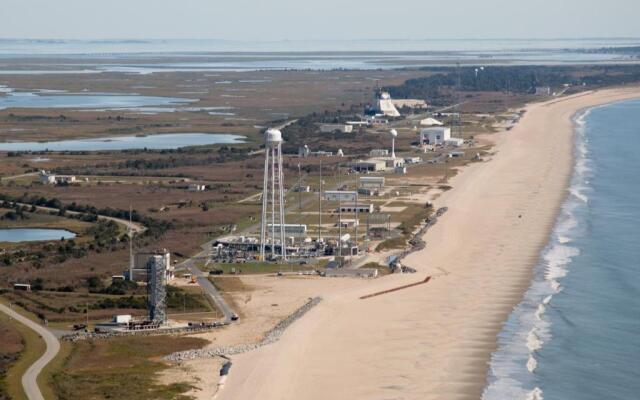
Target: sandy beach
x: 434, y: 341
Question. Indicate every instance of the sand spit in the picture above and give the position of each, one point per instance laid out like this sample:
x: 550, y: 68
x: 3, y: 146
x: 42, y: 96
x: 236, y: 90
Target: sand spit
x: 434, y: 341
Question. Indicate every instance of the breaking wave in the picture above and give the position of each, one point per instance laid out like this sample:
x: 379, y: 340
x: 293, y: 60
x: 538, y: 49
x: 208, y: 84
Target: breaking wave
x: 512, y: 373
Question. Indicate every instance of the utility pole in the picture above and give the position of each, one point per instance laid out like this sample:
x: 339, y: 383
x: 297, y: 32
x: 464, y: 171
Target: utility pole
x: 357, y: 220
x: 300, y: 203
x: 320, y: 207
x: 339, y: 213
x: 131, y: 266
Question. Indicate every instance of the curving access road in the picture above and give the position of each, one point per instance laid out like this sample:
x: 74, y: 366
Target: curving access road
x: 29, y: 379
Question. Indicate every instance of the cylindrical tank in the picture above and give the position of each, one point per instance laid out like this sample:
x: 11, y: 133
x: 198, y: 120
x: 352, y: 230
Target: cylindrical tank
x: 272, y: 137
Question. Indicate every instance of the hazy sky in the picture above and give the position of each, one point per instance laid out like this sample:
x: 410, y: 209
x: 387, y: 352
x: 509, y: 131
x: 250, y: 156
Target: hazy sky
x: 319, y: 19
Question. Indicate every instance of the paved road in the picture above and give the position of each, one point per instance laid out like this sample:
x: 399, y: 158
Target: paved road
x: 205, y: 284
x: 29, y: 378
x: 134, y: 226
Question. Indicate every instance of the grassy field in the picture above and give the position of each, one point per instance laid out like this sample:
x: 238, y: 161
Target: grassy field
x: 382, y: 269
x: 120, y: 368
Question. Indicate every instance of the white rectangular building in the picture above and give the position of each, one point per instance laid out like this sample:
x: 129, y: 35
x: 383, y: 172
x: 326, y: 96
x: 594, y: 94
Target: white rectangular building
x: 196, y: 187
x: 371, y: 181
x: 340, y: 195
x: 435, y: 135
x: 329, y: 128
x: 360, y: 208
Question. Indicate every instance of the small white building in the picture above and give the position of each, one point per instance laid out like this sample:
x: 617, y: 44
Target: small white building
x: 329, y: 128
x: 360, y: 208
x: 430, y: 122
x: 303, y: 151
x: 412, y: 160
x: 302, y: 189
x: 339, y: 195
x: 196, y: 187
x: 371, y: 181
x: 435, y: 135
x: 122, y: 319
x: 52, y: 179
x: 349, y: 223
x: 22, y: 286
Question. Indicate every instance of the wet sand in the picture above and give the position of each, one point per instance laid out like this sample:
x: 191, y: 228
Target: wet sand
x: 434, y: 341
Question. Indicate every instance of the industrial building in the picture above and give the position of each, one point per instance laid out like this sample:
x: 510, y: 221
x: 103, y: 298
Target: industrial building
x: 290, y: 229
x: 435, y: 135
x: 379, y: 153
x: 139, y: 270
x: 371, y: 165
x: 360, y: 208
x: 330, y: 128
x: 365, y: 191
x: 339, y: 195
x: 196, y: 187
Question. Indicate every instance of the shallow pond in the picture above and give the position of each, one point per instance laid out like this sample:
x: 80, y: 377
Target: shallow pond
x: 33, y: 234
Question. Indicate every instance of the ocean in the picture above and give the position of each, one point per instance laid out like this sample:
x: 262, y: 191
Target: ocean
x: 576, y: 333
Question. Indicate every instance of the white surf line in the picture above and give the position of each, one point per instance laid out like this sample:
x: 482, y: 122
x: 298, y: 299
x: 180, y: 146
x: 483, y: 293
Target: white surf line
x: 29, y: 379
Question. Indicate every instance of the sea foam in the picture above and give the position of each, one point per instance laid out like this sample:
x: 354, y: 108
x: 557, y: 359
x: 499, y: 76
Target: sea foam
x: 513, y: 366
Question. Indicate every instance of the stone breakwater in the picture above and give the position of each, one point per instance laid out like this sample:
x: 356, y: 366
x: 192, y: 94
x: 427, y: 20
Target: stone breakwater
x: 270, y: 337
x: 416, y: 243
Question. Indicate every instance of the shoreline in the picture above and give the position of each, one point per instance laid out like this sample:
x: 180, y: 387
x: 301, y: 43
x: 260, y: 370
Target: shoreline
x: 436, y: 340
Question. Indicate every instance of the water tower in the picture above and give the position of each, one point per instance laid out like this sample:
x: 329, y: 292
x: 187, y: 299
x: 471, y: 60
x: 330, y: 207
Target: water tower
x: 273, y: 196
x: 394, y: 135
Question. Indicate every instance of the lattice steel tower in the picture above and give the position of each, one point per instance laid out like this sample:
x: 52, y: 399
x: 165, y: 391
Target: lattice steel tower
x: 157, y: 289
x: 273, y: 196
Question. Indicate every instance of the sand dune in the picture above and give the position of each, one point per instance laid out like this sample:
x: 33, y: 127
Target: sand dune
x: 433, y: 341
